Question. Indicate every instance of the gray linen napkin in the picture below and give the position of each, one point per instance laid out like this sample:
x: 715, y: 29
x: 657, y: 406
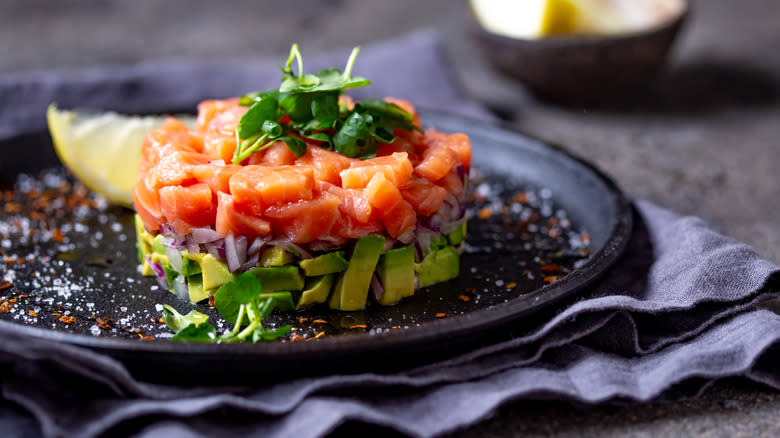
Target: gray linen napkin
x: 681, y: 308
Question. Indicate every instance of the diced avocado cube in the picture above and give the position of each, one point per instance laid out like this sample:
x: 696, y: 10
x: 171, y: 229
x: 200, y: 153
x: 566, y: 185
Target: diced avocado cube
x: 275, y: 256
x: 214, y: 271
x: 438, y: 266
x: 439, y: 243
x: 170, y: 275
x: 195, y: 286
x: 284, y: 300
x: 396, y: 273
x: 190, y: 264
x: 458, y: 235
x: 351, y: 290
x: 279, y: 278
x: 143, y: 239
x: 158, y: 245
x: 325, y: 264
x: 316, y: 290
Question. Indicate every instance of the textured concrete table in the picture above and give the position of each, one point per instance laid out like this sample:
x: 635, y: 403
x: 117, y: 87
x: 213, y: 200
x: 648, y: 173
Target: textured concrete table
x: 702, y: 141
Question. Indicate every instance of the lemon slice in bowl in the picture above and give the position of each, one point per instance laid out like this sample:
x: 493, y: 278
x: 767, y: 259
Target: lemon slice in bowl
x: 103, y: 149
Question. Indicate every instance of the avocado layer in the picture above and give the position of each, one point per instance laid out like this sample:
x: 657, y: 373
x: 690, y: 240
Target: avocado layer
x: 351, y: 290
x: 396, y: 273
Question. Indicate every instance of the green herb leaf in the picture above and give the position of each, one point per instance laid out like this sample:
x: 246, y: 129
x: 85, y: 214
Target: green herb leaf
x: 296, y: 145
x: 388, y: 113
x: 251, y: 98
x: 196, y: 333
x: 230, y: 296
x: 252, y: 122
x: 354, y: 139
x: 176, y: 321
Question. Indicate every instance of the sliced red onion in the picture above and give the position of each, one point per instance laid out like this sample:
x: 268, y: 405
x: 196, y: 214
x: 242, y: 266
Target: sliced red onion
x: 192, y: 246
x: 241, y: 245
x: 288, y: 244
x: 255, y: 247
x: 251, y: 262
x: 159, y: 272
x: 424, y: 240
x: 434, y: 222
x: 205, y: 235
x: 376, y: 285
x: 417, y: 252
x: 461, y: 170
x: 174, y: 258
x: 304, y: 254
x: 407, y: 236
x: 231, y: 254
x: 180, y: 288
x: 389, y: 243
x: 217, y: 249
x: 452, y: 226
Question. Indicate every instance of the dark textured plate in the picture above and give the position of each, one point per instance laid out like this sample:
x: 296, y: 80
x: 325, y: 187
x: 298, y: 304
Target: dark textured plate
x: 544, y: 225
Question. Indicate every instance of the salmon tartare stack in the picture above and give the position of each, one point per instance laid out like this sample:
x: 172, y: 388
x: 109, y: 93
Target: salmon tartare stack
x: 323, y: 199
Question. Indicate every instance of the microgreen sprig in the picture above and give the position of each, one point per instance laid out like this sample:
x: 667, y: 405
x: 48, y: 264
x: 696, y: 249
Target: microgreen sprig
x: 239, y: 302
x: 306, y: 107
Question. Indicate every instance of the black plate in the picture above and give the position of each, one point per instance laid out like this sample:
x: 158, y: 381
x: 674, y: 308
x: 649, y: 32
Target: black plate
x: 555, y: 224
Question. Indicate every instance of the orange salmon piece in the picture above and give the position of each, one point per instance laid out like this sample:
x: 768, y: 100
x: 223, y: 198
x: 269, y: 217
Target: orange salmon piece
x: 452, y: 183
x: 187, y: 207
x: 437, y: 162
x: 400, y: 218
x: 278, y: 154
x: 425, y: 197
x: 217, y: 177
x: 229, y: 218
x: 175, y: 169
x: 259, y: 187
x: 305, y: 220
x: 461, y: 144
x: 354, y: 203
x: 327, y: 164
x: 396, y: 167
x: 147, y: 204
x: 381, y: 193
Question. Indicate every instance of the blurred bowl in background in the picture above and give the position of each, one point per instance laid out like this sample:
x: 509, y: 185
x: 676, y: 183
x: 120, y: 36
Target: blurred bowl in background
x: 569, y: 65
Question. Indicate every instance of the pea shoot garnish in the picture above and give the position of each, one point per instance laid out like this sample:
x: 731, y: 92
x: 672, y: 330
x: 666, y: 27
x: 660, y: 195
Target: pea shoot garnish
x: 307, y: 107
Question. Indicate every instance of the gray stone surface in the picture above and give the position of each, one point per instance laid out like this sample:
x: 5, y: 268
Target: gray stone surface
x: 702, y: 140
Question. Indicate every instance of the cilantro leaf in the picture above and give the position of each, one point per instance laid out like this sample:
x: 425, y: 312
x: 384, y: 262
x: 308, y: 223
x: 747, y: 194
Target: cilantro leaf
x: 252, y: 122
x: 230, y: 296
x: 176, y: 321
x: 196, y: 333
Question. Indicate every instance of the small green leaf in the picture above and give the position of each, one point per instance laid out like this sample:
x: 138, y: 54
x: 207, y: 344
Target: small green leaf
x: 251, y: 98
x: 252, y: 122
x: 176, y: 321
x: 296, y: 145
x: 388, y: 113
x: 272, y: 129
x: 196, y: 333
x: 325, y: 109
x: 230, y: 296
x: 320, y: 136
x: 355, y: 139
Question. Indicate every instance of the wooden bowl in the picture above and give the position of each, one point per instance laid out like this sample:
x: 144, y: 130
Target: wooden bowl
x: 583, y: 69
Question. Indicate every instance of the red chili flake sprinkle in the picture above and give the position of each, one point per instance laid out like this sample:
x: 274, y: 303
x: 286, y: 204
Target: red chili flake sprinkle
x: 19, y: 261
x: 319, y: 321
x: 441, y: 315
x: 211, y: 300
x: 551, y: 279
x: 32, y: 313
x: 511, y: 285
x: 57, y: 235
x: 464, y: 298
x: 5, y: 285
x: 13, y: 300
x: 9, y: 260
x: 394, y: 327
x: 358, y: 326
x: 550, y: 268
x: 478, y: 277
x: 65, y: 319
x: 521, y: 197
x: 485, y: 213
x: 147, y: 338
x: 319, y: 335
x: 56, y: 314
x: 297, y: 338
x: 471, y: 290
x: 23, y: 296
x: 5, y: 307
x: 161, y: 321
x: 302, y: 320
x: 13, y: 207
x: 104, y: 323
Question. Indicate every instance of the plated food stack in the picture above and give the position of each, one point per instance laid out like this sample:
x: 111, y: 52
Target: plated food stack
x: 322, y: 199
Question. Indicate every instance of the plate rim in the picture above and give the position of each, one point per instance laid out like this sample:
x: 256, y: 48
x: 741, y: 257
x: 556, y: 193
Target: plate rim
x: 456, y: 326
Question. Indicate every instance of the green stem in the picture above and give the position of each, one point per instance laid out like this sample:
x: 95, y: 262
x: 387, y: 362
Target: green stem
x: 294, y: 54
x: 350, y: 63
x: 253, y: 325
x: 242, y: 154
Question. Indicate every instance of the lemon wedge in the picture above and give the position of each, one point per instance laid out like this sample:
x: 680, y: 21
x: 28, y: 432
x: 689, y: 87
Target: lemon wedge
x: 102, y: 150
x: 540, y: 18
